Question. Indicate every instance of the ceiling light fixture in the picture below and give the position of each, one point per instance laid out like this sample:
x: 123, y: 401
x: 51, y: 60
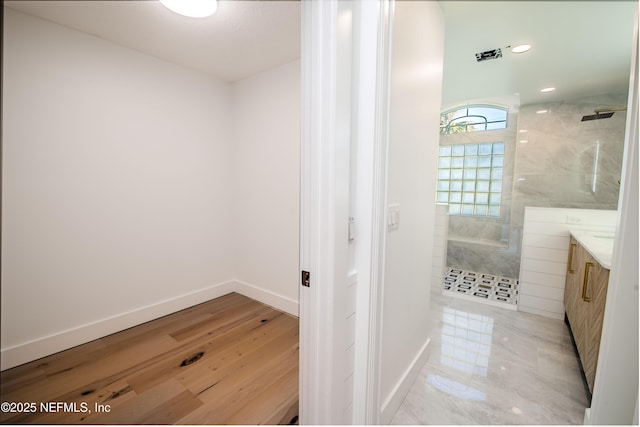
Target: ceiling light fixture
x: 542, y: 111
x: 192, y: 8
x: 521, y: 48
x: 547, y: 89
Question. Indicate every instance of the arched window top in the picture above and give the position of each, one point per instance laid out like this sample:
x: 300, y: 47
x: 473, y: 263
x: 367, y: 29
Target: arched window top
x: 473, y: 118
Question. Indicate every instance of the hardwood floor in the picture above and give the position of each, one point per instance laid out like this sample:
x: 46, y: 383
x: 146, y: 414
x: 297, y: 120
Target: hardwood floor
x: 231, y: 360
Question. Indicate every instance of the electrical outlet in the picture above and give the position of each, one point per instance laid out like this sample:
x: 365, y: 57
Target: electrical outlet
x: 574, y: 220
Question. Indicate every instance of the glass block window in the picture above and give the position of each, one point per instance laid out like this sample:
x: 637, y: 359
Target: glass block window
x: 470, y: 178
x: 473, y: 118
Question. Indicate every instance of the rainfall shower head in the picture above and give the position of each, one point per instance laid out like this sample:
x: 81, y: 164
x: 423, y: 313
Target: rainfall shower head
x: 602, y: 113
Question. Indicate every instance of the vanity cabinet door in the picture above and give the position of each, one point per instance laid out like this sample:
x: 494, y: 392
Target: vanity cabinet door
x: 597, y: 280
x: 576, y: 308
x: 584, y: 300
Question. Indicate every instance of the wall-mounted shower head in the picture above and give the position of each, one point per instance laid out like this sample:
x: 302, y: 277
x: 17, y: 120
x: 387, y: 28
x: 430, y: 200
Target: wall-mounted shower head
x: 602, y: 113
x: 606, y: 110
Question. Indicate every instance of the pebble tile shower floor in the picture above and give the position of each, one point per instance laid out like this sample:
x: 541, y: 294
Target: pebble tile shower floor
x: 487, y: 287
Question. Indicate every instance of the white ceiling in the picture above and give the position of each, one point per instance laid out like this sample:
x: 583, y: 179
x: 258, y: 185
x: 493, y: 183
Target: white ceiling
x: 241, y: 39
x: 581, y: 47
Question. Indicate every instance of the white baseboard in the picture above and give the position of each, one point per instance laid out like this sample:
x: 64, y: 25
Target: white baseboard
x: 277, y: 301
x: 545, y: 313
x: 35, y: 349
x: 392, y: 403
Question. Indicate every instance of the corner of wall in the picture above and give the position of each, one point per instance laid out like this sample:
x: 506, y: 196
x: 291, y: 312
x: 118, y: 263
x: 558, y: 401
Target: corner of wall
x: 44, y: 346
x: 264, y: 296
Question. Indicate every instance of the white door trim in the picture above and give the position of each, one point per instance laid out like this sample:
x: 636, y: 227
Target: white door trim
x: 373, y: 119
x: 318, y: 110
x: 321, y: 200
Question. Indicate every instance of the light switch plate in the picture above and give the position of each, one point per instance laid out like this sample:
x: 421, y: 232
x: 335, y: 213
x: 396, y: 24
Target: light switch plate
x: 393, y: 217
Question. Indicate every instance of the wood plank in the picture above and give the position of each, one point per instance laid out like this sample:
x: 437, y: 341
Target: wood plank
x: 238, y: 351
x: 198, y: 353
x: 217, y: 322
x: 113, y: 396
x: 134, y: 411
x: 80, y: 361
x: 40, y: 369
x: 123, y: 356
x: 103, y: 369
x: 176, y: 321
x: 282, y: 333
x: 237, y: 388
x: 270, y: 408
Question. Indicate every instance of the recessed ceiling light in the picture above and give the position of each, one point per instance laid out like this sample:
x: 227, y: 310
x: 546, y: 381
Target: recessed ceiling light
x: 523, y: 131
x: 547, y: 89
x: 542, y: 111
x: 521, y: 48
x: 192, y: 8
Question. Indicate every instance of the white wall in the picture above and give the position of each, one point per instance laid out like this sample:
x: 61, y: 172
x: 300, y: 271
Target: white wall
x: 267, y: 184
x: 118, y: 189
x: 415, y: 97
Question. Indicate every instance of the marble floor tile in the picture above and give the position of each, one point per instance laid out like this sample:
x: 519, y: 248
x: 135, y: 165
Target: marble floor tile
x: 489, y: 365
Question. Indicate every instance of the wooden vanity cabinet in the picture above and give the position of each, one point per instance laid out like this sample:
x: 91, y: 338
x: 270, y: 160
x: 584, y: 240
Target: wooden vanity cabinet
x: 585, y: 295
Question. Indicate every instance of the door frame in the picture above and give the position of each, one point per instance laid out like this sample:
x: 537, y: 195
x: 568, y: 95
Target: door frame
x: 320, y: 201
x: 317, y: 192
x: 615, y: 393
x: 373, y: 141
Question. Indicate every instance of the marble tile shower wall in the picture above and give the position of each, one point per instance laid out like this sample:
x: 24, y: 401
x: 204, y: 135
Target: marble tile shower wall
x: 562, y: 162
x: 549, y: 162
x: 557, y: 153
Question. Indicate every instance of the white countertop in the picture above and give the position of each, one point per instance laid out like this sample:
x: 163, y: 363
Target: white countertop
x: 598, y: 243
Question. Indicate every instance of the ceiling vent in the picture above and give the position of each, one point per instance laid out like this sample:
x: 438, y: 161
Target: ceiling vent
x: 489, y: 54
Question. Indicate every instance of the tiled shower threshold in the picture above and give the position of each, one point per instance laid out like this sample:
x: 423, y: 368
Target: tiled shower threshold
x: 482, y: 287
